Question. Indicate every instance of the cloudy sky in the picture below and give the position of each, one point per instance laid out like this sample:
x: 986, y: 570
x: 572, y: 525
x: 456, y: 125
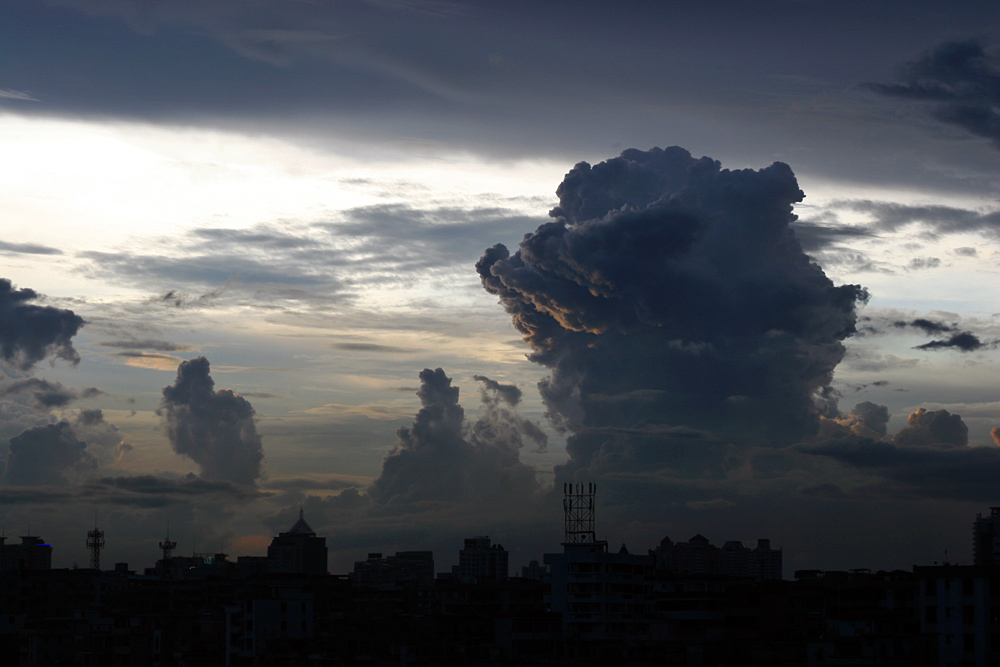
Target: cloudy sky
x: 412, y: 264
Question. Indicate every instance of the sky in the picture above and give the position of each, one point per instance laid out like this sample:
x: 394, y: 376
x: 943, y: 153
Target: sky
x: 412, y: 266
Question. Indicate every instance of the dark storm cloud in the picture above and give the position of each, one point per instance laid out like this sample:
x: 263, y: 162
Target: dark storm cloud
x: 891, y: 216
x: 497, y: 79
x: 933, y: 427
x: 669, y: 292
x: 866, y: 419
x: 929, y: 457
x: 963, y: 342
x: 929, y: 327
x: 304, y: 483
x: 105, y: 442
x: 142, y: 491
x: 960, y: 80
x: 28, y: 249
x: 967, y: 473
x: 815, y: 236
x: 500, y: 424
x: 147, y: 344
x: 43, y: 394
x: 186, y: 486
x: 215, y: 429
x: 44, y: 454
x: 435, y: 462
x: 508, y: 392
x: 30, y: 333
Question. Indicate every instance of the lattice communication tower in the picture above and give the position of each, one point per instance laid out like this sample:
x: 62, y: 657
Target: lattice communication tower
x: 95, y: 542
x: 168, y: 547
x: 578, y: 505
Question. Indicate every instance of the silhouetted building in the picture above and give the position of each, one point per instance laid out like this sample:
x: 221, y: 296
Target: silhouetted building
x: 479, y: 561
x: 534, y: 571
x: 297, y: 551
x: 405, y: 569
x: 696, y: 556
x: 699, y: 557
x: 765, y: 562
x: 255, y: 628
x: 252, y: 564
x: 986, y: 538
x: 601, y: 595
x: 31, y: 554
x: 734, y: 560
x: 957, y: 605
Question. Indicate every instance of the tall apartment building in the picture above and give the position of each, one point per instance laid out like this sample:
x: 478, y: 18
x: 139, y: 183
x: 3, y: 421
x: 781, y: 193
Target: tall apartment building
x: 986, y: 538
x: 31, y: 554
x: 698, y: 556
x: 602, y: 595
x: 480, y: 561
x: 405, y: 569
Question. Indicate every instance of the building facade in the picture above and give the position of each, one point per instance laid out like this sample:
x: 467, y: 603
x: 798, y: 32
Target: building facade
x: 986, y: 538
x: 601, y: 595
x: 297, y: 551
x: 481, y: 561
x: 31, y: 554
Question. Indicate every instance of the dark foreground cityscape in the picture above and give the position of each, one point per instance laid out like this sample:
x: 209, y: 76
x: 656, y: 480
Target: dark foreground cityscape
x: 685, y: 603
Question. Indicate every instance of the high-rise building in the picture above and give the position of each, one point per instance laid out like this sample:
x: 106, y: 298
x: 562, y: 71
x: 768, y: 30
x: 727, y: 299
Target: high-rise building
x: 986, y: 538
x: 31, y: 554
x: 765, y: 562
x: 405, y: 569
x: 698, y: 556
x: 602, y: 595
x: 479, y: 561
x: 298, y: 550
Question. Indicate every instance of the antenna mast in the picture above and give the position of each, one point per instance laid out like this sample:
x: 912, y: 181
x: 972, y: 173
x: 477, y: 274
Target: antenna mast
x: 95, y: 542
x: 167, y: 545
x: 578, y: 506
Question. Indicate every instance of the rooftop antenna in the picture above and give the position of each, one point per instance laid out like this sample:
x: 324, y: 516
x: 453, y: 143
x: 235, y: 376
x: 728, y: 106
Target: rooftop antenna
x: 578, y: 507
x: 167, y: 545
x: 95, y: 542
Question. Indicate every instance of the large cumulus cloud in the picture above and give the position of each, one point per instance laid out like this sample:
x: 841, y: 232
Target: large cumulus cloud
x: 215, y: 429
x: 441, y: 458
x: 670, y: 292
x: 46, y: 454
x: 29, y: 333
x: 64, y: 452
x: 930, y: 456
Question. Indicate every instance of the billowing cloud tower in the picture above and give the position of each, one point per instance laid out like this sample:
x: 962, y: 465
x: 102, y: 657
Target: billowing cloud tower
x: 669, y: 296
